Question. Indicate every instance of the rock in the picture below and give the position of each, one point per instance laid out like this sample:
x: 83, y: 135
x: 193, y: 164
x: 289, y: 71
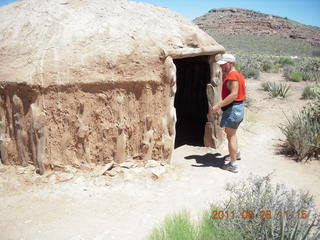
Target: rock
x: 52, y: 179
x: 152, y: 164
x: 127, y: 165
x: 100, y: 181
x: 158, y: 172
x: 20, y: 170
x: 139, y: 171
x: 107, y: 168
x: 129, y: 176
x: 114, y: 171
x: 80, y: 180
x: 64, y: 177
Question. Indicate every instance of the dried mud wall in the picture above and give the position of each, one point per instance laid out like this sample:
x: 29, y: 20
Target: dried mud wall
x: 88, y: 123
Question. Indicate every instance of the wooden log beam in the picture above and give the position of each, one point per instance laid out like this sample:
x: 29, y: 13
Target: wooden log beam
x: 193, y: 52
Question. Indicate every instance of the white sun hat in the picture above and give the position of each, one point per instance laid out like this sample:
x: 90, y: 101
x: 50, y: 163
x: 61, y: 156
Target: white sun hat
x: 226, y: 58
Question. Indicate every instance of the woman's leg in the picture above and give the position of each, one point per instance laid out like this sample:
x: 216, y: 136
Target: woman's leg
x: 232, y: 143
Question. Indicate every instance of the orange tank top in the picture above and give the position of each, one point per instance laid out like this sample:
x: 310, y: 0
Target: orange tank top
x: 234, y: 76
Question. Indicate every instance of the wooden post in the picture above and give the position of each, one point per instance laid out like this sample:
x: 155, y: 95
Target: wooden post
x: 3, y: 129
x: 213, y: 132
x: 38, y: 138
x: 21, y: 133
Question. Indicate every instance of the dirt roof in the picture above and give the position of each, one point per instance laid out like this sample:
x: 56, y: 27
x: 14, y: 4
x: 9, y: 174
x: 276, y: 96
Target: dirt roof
x: 58, y: 42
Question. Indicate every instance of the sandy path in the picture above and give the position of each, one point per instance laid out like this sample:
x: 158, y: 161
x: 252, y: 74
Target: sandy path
x: 81, y: 209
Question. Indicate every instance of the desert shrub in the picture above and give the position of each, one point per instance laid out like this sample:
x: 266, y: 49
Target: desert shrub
x: 276, y: 89
x: 250, y: 72
x: 255, y: 210
x: 252, y: 64
x: 295, y: 76
x: 262, y: 44
x: 275, y: 69
x: 312, y: 91
x: 259, y: 209
x: 180, y: 226
x: 311, y: 76
x: 302, y: 132
x: 285, y: 61
x: 308, y: 64
x: 316, y: 53
x: 267, y: 66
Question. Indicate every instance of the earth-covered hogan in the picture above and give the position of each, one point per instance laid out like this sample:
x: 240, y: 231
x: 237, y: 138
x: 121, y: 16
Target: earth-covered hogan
x: 86, y: 82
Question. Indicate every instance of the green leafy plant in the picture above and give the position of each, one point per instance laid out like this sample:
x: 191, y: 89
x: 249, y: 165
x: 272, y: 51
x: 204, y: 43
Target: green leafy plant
x: 311, y: 92
x: 302, y: 133
x: 267, y: 66
x: 276, y: 89
x: 286, y: 61
x: 311, y: 76
x: 295, y: 76
x: 177, y: 226
x: 297, y: 232
x: 180, y: 226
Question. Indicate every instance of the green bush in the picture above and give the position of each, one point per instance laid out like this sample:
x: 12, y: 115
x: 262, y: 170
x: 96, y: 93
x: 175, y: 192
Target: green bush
x: 276, y: 89
x: 311, y: 92
x: 311, y: 76
x: 255, y: 210
x: 275, y: 69
x: 295, y: 77
x: 267, y: 66
x: 180, y: 227
x: 285, y: 61
x: 251, y: 73
x: 316, y: 53
x: 302, y: 133
x: 258, y: 208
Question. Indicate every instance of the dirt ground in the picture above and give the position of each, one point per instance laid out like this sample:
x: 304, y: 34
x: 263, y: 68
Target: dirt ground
x: 78, y: 205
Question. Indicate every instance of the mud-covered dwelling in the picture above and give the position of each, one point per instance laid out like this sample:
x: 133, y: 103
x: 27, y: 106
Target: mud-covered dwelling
x: 91, y: 81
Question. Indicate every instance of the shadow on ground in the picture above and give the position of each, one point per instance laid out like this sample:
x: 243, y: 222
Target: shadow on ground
x: 207, y: 160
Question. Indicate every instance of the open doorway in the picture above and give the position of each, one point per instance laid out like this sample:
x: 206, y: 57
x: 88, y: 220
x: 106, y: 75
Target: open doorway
x: 191, y: 103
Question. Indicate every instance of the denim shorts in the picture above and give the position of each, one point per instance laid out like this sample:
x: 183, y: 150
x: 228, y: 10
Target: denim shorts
x: 232, y: 116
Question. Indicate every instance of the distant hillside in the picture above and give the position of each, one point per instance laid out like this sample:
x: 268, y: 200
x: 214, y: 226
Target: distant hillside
x: 236, y: 21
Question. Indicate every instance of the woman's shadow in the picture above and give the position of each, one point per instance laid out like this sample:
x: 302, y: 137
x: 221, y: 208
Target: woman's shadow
x: 208, y: 160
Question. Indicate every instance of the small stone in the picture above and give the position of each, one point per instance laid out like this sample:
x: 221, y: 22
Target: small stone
x: 113, y: 172
x: 52, y: 179
x: 152, y: 164
x: 20, y: 170
x: 158, y: 171
x: 127, y: 165
x: 101, y: 181
x: 139, y: 171
x: 64, y: 177
x: 80, y: 180
x: 107, y: 168
x: 128, y: 176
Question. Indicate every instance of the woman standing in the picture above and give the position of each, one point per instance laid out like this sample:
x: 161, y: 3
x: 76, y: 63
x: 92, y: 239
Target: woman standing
x: 232, y: 105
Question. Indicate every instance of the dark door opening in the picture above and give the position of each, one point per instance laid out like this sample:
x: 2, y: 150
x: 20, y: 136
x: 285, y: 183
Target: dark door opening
x: 191, y: 103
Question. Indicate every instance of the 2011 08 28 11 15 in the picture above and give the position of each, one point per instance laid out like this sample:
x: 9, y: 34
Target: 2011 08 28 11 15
x: 261, y: 214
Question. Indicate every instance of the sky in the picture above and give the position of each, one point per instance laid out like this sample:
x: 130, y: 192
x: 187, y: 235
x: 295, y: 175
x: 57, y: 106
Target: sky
x: 303, y: 11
